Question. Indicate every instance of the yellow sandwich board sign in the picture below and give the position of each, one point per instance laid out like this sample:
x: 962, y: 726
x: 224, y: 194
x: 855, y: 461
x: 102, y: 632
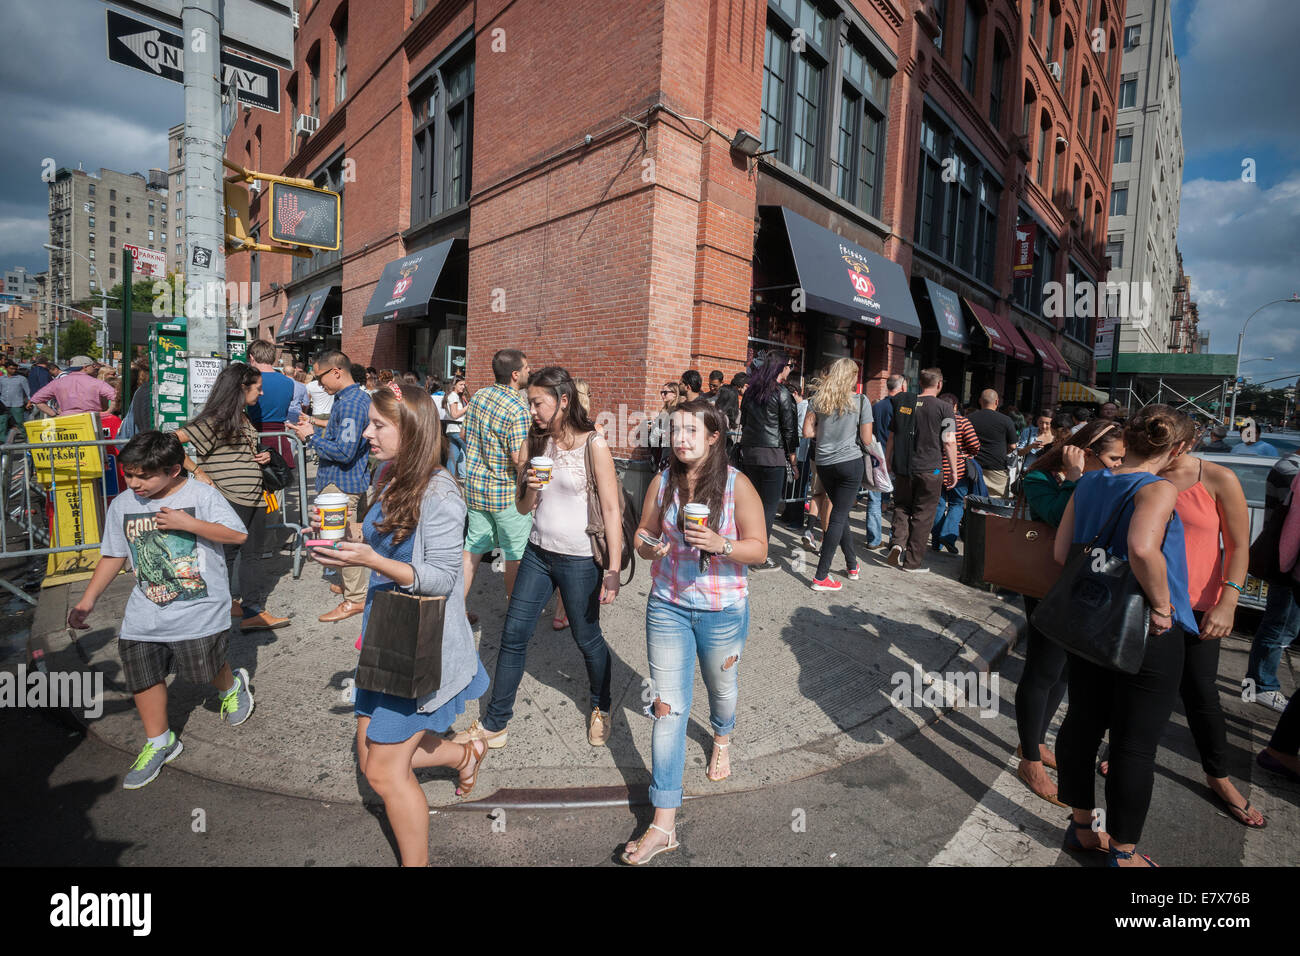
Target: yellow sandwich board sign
x: 69, y: 473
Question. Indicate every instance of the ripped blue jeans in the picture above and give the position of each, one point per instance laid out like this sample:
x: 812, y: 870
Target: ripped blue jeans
x: 675, y: 636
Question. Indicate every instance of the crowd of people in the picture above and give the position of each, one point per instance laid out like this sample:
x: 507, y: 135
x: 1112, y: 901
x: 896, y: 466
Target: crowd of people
x: 435, y: 479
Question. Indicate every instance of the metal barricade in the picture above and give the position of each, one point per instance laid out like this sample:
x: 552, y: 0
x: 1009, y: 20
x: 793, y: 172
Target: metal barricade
x: 28, y: 490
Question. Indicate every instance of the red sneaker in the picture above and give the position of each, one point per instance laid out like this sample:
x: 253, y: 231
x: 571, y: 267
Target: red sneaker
x: 826, y: 584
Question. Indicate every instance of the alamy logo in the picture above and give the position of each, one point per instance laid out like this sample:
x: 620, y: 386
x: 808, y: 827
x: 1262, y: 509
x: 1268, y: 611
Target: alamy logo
x: 82, y: 691
x: 73, y: 909
x: 930, y: 689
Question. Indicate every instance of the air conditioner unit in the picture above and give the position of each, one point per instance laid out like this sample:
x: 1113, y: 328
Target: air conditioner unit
x: 1054, y: 68
x: 336, y: 325
x: 255, y: 186
x: 306, y: 125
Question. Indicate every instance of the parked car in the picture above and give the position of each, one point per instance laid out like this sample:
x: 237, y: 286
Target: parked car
x: 1252, y: 471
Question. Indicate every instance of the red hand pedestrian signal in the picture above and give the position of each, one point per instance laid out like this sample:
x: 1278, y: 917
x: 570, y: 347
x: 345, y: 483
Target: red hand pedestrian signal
x: 305, y: 216
x: 289, y: 213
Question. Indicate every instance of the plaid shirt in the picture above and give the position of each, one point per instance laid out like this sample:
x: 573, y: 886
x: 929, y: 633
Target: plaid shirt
x: 676, y: 577
x: 344, y: 454
x: 495, y: 426
x: 968, y: 446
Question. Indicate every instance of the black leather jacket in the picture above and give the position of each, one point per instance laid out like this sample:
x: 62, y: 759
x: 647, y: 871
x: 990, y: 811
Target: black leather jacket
x: 770, y: 425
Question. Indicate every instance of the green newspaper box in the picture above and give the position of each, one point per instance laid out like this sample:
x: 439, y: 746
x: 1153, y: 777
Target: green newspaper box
x: 169, y: 380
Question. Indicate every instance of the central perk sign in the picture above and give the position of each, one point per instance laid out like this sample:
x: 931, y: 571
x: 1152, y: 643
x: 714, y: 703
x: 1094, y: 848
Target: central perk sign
x: 149, y: 49
x: 305, y: 216
x: 150, y: 262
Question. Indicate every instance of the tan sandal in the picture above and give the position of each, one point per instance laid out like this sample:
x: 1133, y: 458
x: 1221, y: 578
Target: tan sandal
x: 672, y: 844
x: 716, y: 747
x: 464, y: 790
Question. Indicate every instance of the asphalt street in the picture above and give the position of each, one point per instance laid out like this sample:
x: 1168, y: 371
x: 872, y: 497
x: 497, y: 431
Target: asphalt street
x: 946, y: 796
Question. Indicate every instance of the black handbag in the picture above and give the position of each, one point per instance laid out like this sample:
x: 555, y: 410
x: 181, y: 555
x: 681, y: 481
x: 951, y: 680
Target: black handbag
x: 1097, y: 609
x: 276, y: 473
x: 401, y: 652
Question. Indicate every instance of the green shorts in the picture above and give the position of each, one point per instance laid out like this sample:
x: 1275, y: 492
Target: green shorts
x: 507, y: 530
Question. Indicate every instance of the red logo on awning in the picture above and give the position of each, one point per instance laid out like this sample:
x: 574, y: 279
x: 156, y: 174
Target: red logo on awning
x: 862, y: 284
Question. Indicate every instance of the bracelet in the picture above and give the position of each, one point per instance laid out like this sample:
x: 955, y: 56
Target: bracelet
x: 1169, y: 614
x: 1233, y: 584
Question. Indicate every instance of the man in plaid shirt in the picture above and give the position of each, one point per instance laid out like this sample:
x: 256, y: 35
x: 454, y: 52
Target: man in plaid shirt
x: 344, y: 461
x: 495, y: 433
x: 947, y: 519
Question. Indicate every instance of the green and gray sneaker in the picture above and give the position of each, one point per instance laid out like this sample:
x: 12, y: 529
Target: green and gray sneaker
x: 151, y: 761
x: 237, y: 703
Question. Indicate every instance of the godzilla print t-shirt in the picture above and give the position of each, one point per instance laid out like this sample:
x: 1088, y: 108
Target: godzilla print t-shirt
x: 181, y: 590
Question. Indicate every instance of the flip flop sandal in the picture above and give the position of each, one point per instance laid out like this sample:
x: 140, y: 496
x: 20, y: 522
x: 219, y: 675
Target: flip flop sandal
x: 717, y: 746
x: 559, y: 623
x: 1117, y: 855
x: 1072, y: 841
x: 1233, y: 810
x: 672, y: 844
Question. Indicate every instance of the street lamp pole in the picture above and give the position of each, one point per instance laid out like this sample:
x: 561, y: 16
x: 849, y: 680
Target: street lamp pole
x: 103, y: 305
x: 1241, y: 338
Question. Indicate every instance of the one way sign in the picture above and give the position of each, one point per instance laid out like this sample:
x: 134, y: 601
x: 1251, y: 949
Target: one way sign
x: 150, y: 49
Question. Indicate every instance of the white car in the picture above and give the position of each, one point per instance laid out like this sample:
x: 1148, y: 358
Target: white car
x: 1252, y: 471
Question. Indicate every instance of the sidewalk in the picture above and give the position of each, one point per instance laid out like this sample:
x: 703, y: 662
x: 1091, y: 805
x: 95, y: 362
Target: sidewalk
x: 814, y: 692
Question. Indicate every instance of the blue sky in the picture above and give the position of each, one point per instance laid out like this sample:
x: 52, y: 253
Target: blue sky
x: 1240, y: 84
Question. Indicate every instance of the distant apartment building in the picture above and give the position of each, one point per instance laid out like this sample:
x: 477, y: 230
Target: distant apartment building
x: 176, y: 189
x: 91, y: 217
x: 17, y: 321
x: 1147, y: 177
x: 19, y: 285
x: 1185, y: 334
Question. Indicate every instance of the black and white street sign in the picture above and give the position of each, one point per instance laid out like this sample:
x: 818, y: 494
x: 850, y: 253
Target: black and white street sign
x: 260, y: 28
x: 150, y: 49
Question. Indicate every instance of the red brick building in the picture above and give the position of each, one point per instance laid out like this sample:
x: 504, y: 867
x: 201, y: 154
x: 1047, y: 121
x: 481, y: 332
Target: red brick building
x: 563, y: 178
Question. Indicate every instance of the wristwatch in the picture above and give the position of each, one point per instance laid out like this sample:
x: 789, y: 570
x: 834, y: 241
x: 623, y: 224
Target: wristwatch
x: 726, y: 547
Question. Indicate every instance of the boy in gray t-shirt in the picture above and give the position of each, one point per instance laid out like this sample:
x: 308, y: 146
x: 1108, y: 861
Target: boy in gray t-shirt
x: 171, y: 528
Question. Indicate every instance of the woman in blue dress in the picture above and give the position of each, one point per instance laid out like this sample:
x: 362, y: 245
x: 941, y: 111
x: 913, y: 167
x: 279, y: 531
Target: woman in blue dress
x: 413, y: 538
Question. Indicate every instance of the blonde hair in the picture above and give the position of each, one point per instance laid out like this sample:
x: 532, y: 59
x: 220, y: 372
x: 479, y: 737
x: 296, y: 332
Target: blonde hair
x: 835, y: 390
x: 584, y: 394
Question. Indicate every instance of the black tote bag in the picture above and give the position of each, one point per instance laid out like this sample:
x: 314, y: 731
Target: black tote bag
x: 401, y: 653
x: 1097, y: 609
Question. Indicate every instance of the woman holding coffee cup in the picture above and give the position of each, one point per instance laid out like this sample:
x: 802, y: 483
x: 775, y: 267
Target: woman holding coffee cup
x: 556, y: 490
x: 703, y: 526
x: 413, y: 538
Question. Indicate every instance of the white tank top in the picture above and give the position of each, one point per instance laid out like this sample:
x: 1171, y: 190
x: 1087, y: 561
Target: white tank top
x: 560, y: 515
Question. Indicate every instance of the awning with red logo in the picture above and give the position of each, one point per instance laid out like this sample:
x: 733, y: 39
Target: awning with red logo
x: 290, y: 319
x: 840, y: 278
x: 407, y: 284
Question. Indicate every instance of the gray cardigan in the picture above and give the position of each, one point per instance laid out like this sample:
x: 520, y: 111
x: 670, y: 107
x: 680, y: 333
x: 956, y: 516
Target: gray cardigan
x: 436, y: 561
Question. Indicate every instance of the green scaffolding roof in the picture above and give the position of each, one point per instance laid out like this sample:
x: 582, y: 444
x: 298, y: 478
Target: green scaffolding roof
x: 1172, y: 364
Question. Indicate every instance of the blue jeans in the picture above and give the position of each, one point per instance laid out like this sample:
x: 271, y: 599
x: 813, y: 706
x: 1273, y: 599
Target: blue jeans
x: 874, y: 523
x: 455, y: 455
x: 1277, y: 628
x: 947, y: 518
x: 540, y: 573
x: 674, y: 636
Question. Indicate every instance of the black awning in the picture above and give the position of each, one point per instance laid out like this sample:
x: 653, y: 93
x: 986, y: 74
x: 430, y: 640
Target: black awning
x: 290, y: 319
x: 945, y: 309
x: 313, y: 310
x: 407, y: 284
x: 841, y: 278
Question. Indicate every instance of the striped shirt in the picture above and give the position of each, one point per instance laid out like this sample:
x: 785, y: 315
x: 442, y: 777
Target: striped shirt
x: 229, y: 464
x: 968, y: 446
x: 676, y: 577
x: 495, y: 426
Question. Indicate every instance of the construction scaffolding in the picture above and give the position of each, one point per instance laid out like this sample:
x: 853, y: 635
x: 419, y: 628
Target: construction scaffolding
x: 1201, y: 382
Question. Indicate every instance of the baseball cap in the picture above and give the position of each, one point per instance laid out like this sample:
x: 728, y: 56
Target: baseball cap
x: 79, y: 362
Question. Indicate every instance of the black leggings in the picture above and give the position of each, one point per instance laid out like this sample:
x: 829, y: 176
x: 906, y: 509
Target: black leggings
x: 234, y: 562
x: 1201, y: 702
x: 768, y: 481
x: 841, y: 482
x: 1136, y: 709
x: 1042, y: 685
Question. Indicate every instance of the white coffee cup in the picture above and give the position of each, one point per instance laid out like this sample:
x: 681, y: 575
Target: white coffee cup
x: 542, y: 466
x: 696, y: 514
x: 333, y: 507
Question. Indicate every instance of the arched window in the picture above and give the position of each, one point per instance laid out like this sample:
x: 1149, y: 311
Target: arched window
x: 1027, y: 114
x: 1044, y: 134
x: 1092, y: 126
x: 1066, y: 49
x: 1086, y: 212
x: 1081, y: 115
x: 1103, y: 158
x: 998, y: 80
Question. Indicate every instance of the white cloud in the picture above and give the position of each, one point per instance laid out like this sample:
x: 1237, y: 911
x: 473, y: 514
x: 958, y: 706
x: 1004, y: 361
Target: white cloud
x: 1239, y: 246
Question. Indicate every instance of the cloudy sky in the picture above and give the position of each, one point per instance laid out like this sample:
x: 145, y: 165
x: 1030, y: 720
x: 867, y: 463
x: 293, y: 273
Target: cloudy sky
x: 1240, y: 79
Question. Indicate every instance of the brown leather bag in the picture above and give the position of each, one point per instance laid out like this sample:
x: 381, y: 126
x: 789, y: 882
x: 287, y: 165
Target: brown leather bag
x: 1018, y: 552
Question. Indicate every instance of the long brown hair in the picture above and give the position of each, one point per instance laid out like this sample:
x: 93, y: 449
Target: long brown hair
x: 711, y: 483
x: 422, y: 453
x: 559, y: 383
x: 1096, y: 436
